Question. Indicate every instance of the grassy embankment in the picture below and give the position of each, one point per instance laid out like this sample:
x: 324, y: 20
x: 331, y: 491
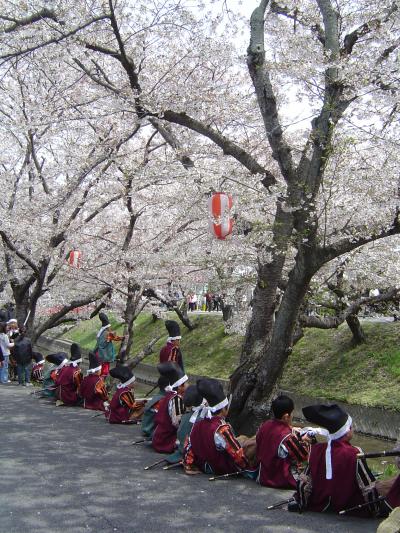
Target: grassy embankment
x: 323, y: 364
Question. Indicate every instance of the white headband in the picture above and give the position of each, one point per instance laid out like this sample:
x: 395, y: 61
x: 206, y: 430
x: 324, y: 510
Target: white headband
x: 333, y: 436
x: 174, y: 338
x: 93, y: 370
x: 121, y: 385
x: 62, y: 364
x: 209, y: 410
x: 180, y: 381
x: 75, y: 362
x: 39, y: 362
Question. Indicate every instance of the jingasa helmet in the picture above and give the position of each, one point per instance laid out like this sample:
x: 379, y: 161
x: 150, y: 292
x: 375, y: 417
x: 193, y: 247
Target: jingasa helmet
x: 76, y: 355
x: 173, y: 329
x: 174, y: 373
x: 38, y: 357
x: 94, y: 363
x: 103, y: 319
x: 124, y: 374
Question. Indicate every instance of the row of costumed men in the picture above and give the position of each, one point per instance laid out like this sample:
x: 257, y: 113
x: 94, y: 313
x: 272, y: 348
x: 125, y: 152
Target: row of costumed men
x: 188, y: 424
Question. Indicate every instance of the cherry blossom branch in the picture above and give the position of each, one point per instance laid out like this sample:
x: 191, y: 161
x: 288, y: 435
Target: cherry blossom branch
x: 54, y: 40
x: 11, y: 246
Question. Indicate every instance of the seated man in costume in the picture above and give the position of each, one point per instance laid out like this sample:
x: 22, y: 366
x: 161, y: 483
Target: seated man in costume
x: 281, y: 449
x: 123, y: 408
x: 104, y: 344
x: 93, y: 389
x: 193, y: 404
x: 57, y: 362
x: 336, y: 479
x: 69, y: 379
x: 151, y: 408
x: 171, y: 408
x: 37, y: 367
x: 212, y: 446
x: 171, y: 351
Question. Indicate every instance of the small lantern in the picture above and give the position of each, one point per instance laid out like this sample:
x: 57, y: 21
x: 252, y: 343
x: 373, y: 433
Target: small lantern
x: 75, y: 258
x: 219, y: 208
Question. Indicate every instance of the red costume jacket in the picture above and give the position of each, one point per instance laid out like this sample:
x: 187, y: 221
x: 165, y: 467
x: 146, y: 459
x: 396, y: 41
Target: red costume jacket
x: 123, y: 407
x: 164, y: 435
x: 68, y: 381
x: 201, y: 449
x: 280, y: 452
x: 93, y: 392
x: 169, y: 352
x: 343, y: 490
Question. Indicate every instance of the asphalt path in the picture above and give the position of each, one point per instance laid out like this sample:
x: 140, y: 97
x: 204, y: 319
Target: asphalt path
x: 64, y: 470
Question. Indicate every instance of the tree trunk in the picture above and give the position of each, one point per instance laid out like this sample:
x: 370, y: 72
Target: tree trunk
x: 256, y: 380
x: 356, y: 329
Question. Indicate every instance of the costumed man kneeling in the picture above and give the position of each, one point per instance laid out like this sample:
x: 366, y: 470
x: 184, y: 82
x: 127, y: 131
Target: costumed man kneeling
x: 171, y: 408
x: 212, y: 446
x: 281, y: 449
x: 336, y: 479
x: 194, y: 404
x: 69, y: 379
x: 123, y: 408
x: 93, y: 389
x: 57, y: 362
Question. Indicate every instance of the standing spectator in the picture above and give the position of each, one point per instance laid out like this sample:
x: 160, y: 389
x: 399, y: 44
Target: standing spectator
x: 194, y: 301
x: 209, y: 301
x: 216, y: 302
x: 5, y: 345
x: 23, y: 355
x: 12, y: 332
x: 191, y: 302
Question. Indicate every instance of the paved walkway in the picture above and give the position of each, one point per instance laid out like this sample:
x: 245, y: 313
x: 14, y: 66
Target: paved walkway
x: 61, y: 470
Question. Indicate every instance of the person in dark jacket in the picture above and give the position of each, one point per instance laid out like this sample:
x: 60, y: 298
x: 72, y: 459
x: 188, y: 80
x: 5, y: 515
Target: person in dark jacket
x: 23, y: 355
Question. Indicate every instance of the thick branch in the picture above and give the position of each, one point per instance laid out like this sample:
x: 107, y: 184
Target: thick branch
x: 265, y: 94
x: 7, y: 241
x: 134, y: 361
x: 228, y: 147
x: 330, y: 322
x: 67, y: 308
x: 25, y: 21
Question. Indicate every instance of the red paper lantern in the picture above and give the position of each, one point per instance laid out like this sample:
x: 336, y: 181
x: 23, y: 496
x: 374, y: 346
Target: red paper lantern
x: 219, y: 208
x: 75, y: 258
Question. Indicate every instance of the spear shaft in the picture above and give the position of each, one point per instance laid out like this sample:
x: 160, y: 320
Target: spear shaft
x: 374, y: 455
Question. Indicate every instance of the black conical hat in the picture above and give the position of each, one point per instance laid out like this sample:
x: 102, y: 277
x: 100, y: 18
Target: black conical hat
x: 173, y: 328
x: 103, y: 319
x: 94, y: 360
x: 192, y: 396
x: 38, y: 357
x: 332, y: 417
x: 172, y: 371
x: 56, y: 358
x: 211, y: 390
x: 75, y: 352
x: 121, y: 372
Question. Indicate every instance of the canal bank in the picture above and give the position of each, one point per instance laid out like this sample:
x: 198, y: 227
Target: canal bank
x: 369, y: 421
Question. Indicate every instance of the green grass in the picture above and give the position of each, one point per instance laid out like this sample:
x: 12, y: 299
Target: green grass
x: 323, y: 364
x: 206, y: 350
